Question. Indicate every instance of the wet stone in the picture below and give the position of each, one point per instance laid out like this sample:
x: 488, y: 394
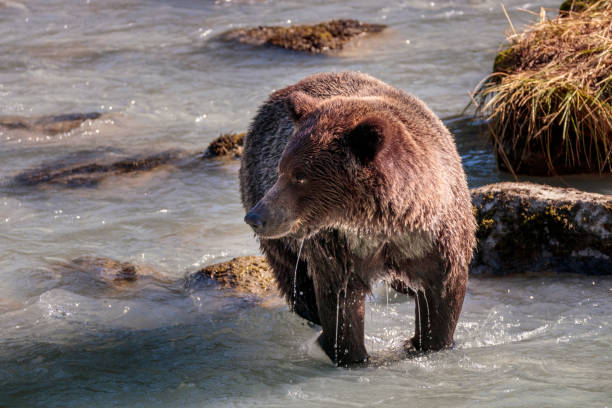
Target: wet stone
x: 88, y: 168
x: 531, y: 228
x: 106, y: 269
x: 246, y: 274
x: 315, y: 39
x: 227, y: 145
x: 89, y: 174
x: 49, y: 125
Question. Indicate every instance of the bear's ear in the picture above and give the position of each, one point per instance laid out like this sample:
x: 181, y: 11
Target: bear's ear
x: 299, y: 104
x: 367, y: 138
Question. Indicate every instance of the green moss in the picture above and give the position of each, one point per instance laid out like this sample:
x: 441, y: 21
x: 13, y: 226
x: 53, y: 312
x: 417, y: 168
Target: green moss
x: 485, y: 221
x: 576, y: 5
x: 552, y: 228
x: 505, y: 61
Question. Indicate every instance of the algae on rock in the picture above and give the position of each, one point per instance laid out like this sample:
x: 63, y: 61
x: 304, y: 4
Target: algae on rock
x: 531, y: 228
x: 316, y: 39
x: 246, y: 274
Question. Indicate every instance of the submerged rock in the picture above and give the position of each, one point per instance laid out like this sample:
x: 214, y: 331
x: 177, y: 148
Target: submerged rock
x: 524, y: 227
x: 49, y: 125
x: 316, y: 39
x: 246, y: 274
x: 89, y: 174
x: 226, y: 145
x: 97, y: 276
x: 105, y: 269
x: 84, y: 169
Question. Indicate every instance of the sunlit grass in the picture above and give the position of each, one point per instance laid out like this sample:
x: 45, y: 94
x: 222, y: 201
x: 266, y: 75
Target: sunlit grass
x: 552, y: 91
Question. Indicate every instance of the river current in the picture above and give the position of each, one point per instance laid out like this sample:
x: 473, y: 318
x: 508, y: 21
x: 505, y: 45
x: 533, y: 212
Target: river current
x: 164, y: 81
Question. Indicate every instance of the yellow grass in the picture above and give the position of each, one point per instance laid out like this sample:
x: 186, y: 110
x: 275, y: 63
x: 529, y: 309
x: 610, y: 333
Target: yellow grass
x: 552, y: 91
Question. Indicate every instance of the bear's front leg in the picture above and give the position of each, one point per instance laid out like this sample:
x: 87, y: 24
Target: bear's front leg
x: 437, y: 309
x: 294, y: 284
x: 342, y: 311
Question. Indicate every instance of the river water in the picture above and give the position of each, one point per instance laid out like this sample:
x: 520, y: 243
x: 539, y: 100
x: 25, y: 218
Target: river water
x: 166, y: 82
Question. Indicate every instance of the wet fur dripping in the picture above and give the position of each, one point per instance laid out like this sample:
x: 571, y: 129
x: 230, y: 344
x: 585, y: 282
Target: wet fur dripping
x: 371, y: 180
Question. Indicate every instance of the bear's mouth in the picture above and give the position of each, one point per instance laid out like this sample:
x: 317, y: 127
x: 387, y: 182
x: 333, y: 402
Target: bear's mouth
x: 295, y: 229
x: 277, y: 231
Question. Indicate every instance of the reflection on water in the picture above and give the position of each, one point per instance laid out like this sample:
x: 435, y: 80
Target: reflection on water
x: 163, y: 81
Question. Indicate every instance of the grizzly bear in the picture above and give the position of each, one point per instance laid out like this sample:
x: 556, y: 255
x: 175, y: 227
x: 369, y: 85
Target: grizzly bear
x: 362, y: 182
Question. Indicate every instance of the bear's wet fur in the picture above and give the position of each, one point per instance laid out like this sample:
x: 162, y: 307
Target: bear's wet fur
x: 371, y: 181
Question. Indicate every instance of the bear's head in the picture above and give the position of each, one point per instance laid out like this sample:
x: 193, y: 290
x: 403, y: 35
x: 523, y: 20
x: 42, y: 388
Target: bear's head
x: 337, y: 168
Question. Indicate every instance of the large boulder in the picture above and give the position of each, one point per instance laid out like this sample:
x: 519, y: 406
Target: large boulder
x: 319, y: 38
x: 525, y: 227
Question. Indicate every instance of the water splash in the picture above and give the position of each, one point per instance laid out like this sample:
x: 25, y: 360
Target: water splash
x: 297, y: 262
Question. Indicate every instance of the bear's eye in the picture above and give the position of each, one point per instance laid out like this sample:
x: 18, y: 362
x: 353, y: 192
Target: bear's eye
x: 299, y: 177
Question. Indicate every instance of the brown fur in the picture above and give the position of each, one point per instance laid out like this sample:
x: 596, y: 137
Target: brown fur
x: 371, y: 179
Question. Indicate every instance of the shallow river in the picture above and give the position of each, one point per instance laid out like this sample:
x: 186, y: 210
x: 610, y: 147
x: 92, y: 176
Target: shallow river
x: 156, y: 68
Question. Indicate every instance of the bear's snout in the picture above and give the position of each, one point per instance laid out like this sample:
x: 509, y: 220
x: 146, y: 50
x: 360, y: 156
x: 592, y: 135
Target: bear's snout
x: 254, y: 220
x: 269, y: 221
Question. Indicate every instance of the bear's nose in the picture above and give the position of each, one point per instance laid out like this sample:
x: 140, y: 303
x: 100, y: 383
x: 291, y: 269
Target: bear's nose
x: 254, y: 220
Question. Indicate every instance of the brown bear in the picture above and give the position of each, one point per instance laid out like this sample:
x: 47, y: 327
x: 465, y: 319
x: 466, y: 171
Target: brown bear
x: 366, y: 181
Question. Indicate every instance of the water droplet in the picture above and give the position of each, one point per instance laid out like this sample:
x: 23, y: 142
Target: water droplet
x: 297, y: 262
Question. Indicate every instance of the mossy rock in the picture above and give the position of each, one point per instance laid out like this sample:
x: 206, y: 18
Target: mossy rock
x: 226, y: 145
x: 525, y: 227
x: 49, y: 125
x: 246, y: 274
x: 316, y: 39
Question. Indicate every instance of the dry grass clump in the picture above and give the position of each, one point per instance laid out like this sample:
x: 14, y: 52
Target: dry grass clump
x: 549, y: 100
